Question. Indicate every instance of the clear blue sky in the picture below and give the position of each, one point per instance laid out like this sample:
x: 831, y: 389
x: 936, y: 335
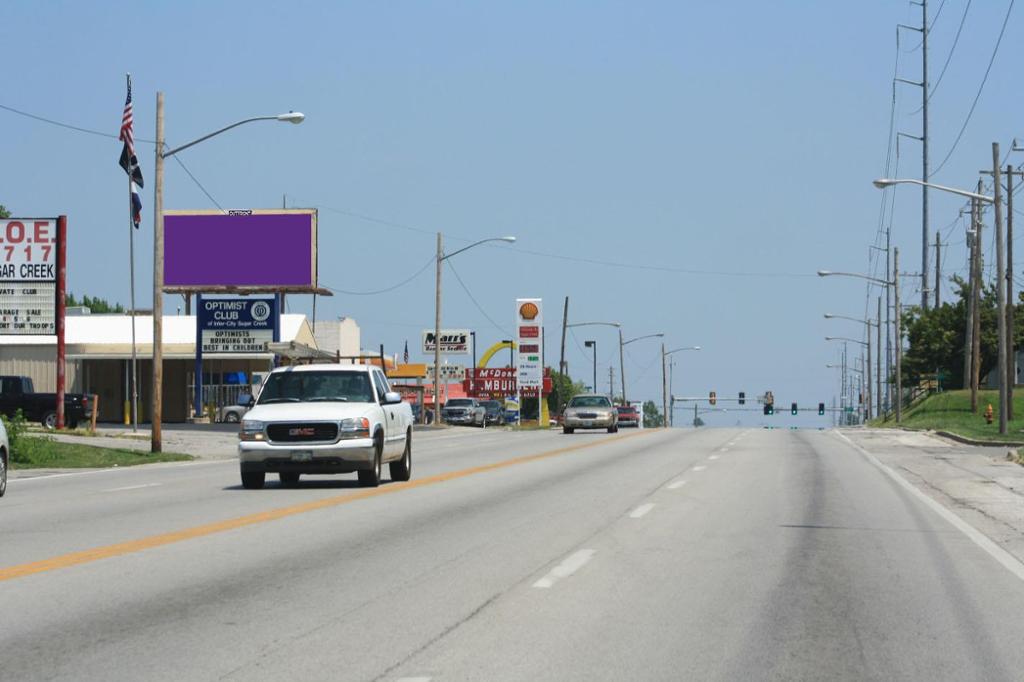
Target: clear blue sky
x: 703, y: 137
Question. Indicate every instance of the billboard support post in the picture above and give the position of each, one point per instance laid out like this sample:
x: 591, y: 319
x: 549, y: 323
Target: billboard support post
x: 197, y: 382
x: 62, y: 230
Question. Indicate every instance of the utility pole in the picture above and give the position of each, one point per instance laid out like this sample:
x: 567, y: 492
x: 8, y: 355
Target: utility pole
x: 622, y: 367
x: 156, y: 416
x: 878, y: 357
x: 976, y: 298
x: 899, y: 333
x: 997, y: 205
x: 437, y: 334
x: 938, y: 267
x: 664, y: 387
x: 562, y: 365
x: 1011, y: 365
x: 972, y: 238
x: 611, y: 382
x: 924, y: 157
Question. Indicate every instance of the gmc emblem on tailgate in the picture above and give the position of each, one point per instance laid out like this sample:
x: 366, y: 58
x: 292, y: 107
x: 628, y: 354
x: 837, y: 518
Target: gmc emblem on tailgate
x: 303, y: 431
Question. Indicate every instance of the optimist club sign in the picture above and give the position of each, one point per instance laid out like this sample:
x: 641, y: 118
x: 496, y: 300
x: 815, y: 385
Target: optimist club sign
x: 28, y: 276
x: 236, y: 325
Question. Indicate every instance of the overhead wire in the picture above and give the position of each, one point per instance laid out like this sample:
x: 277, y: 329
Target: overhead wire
x: 949, y: 57
x: 475, y: 302
x: 981, y: 88
x: 387, y: 289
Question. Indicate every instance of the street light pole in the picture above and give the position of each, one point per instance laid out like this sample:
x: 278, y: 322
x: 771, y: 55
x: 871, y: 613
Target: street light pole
x: 593, y: 344
x: 622, y: 363
x: 1000, y: 285
x: 899, y: 332
x: 156, y: 418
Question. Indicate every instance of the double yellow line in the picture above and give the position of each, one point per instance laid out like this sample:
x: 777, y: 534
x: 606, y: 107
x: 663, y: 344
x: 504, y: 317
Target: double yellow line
x: 132, y: 546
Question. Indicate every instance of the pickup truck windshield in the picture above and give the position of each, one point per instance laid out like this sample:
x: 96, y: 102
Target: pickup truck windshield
x: 298, y: 387
x: 459, y: 402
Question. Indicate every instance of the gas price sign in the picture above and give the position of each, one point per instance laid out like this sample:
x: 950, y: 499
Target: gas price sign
x: 28, y: 275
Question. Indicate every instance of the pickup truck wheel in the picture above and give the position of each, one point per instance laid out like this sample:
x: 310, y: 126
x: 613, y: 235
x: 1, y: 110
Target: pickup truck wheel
x: 567, y: 429
x: 49, y: 420
x: 370, y: 478
x: 288, y: 477
x: 402, y: 469
x: 231, y: 418
x: 3, y: 473
x: 253, y: 480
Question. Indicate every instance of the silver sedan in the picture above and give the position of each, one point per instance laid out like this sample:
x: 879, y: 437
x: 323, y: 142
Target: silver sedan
x: 590, y: 411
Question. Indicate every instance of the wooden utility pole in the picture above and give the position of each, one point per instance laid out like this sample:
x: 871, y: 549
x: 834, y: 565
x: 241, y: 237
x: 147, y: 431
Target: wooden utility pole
x: 878, y: 358
x: 156, y: 418
x: 976, y: 298
x: 997, y: 206
x: 899, y: 332
x: 562, y: 365
x: 611, y: 382
x: 437, y: 335
x: 938, y: 267
x: 1011, y: 365
x: 664, y: 389
x: 969, y: 322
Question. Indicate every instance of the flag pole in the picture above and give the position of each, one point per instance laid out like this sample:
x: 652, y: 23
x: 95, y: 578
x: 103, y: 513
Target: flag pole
x: 131, y: 269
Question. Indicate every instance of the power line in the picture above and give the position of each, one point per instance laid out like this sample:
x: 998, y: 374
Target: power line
x: 384, y: 291
x: 80, y: 129
x: 478, y: 306
x: 981, y: 87
x: 949, y: 57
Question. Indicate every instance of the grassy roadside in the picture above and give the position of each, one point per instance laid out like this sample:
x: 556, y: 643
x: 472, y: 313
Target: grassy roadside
x: 43, y: 453
x: 951, y: 411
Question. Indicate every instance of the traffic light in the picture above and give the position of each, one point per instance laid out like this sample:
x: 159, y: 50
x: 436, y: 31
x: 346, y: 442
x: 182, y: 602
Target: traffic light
x: 767, y: 409
x: 821, y: 409
x: 743, y: 397
x: 712, y: 398
x: 792, y: 409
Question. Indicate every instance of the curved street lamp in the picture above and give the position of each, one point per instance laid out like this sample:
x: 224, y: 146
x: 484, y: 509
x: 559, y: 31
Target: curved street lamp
x: 622, y: 360
x: 666, y: 389
x: 156, y: 418
x: 441, y: 258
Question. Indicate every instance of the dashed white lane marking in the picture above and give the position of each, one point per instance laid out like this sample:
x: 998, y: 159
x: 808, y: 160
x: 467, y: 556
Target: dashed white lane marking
x: 675, y: 485
x: 413, y: 679
x: 713, y: 457
x: 641, y: 510
x: 699, y: 468
x: 572, y: 563
x: 1009, y: 561
x: 724, y: 450
x: 131, y: 487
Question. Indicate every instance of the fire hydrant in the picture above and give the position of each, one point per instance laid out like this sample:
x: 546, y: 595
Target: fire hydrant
x: 988, y: 414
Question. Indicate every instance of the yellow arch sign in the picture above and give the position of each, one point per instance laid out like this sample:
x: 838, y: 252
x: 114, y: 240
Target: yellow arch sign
x: 493, y: 350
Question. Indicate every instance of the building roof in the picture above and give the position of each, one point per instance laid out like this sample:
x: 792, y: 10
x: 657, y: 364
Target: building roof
x: 110, y: 336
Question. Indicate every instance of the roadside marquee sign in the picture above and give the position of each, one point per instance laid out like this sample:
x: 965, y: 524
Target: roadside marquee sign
x: 28, y: 276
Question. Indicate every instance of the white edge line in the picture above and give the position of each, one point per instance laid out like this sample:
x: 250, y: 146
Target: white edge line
x: 112, y: 470
x: 413, y: 679
x: 641, y: 510
x: 570, y: 565
x: 1009, y: 562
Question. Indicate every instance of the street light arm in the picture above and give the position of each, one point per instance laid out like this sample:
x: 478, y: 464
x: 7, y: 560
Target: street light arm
x: 292, y: 118
x: 845, y: 338
x: 829, y: 273
x: 590, y: 324
x: 670, y: 352
x: 882, y: 183
x: 647, y: 336
x: 510, y: 240
x: 829, y: 316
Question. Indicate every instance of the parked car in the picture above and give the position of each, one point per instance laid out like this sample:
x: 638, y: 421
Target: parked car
x: 628, y: 416
x: 5, y: 458
x: 494, y: 412
x: 18, y: 393
x: 463, y: 411
x: 326, y: 419
x: 418, y: 414
x: 232, y: 414
x: 590, y: 411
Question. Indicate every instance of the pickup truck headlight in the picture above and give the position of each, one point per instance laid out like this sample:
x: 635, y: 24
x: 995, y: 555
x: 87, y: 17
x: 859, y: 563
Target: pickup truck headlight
x: 354, y: 428
x: 251, y: 430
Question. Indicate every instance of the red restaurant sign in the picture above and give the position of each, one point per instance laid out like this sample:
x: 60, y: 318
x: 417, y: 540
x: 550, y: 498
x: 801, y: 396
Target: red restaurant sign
x: 496, y: 381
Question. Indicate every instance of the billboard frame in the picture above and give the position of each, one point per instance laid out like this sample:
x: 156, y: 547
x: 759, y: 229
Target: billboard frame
x: 311, y: 288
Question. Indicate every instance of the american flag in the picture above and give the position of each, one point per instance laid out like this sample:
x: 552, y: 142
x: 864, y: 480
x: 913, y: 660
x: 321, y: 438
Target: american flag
x: 128, y: 161
x: 405, y: 356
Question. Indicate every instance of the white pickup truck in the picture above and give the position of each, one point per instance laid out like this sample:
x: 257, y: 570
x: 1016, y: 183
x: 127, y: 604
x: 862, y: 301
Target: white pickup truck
x: 326, y: 419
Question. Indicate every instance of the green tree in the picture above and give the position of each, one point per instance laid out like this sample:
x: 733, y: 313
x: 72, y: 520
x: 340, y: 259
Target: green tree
x: 936, y: 338
x: 4, y: 213
x: 652, y: 415
x: 94, y: 304
x: 562, y: 388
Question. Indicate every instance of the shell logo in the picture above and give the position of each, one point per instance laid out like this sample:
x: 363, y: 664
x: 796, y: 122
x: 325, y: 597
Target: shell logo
x: 529, y: 310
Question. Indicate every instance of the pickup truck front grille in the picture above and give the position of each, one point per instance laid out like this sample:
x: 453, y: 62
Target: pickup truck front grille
x: 302, y: 432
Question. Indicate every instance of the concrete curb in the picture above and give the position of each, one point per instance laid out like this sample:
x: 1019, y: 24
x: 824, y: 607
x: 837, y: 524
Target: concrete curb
x: 978, y: 443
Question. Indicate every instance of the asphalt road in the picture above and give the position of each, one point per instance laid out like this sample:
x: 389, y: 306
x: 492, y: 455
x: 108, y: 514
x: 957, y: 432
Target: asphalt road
x: 711, y: 554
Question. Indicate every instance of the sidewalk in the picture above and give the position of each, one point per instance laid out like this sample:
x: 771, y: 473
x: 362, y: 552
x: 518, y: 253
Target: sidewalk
x: 977, y: 483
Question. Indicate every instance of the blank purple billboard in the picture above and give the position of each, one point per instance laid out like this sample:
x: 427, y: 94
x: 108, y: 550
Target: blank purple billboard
x: 259, y: 250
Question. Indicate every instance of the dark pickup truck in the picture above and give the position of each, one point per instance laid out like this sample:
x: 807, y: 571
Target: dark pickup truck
x: 18, y: 393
